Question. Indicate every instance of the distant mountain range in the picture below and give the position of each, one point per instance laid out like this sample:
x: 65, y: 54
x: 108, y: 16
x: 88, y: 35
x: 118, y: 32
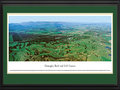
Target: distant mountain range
x: 53, y: 26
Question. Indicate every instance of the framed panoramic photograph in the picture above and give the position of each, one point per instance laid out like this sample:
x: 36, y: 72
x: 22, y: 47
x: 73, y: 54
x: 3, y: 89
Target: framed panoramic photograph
x: 60, y: 45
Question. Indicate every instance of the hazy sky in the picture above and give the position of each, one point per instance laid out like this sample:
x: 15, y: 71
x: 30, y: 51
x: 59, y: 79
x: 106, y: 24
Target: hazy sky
x: 83, y: 19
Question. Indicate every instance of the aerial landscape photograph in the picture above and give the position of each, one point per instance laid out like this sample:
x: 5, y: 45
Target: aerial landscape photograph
x: 60, y: 38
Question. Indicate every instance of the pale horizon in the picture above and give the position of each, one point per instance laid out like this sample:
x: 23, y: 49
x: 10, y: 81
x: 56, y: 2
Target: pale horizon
x: 74, y: 19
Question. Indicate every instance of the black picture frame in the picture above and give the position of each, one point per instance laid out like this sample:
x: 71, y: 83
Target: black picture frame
x: 47, y: 2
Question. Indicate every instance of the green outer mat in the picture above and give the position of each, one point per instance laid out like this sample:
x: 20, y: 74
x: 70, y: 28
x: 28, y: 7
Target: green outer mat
x: 60, y: 78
